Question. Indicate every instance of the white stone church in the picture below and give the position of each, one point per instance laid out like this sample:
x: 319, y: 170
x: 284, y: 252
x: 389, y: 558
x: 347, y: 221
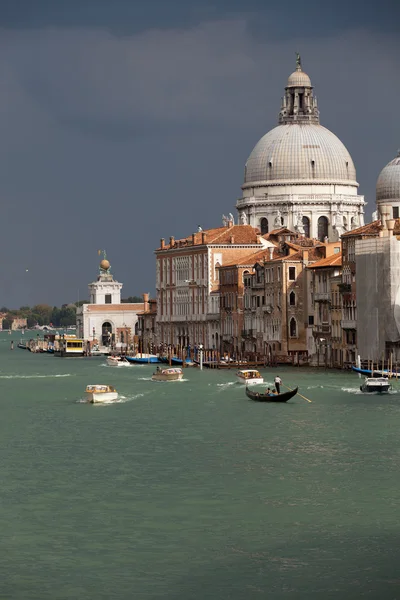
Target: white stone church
x: 299, y: 174
x: 106, y: 320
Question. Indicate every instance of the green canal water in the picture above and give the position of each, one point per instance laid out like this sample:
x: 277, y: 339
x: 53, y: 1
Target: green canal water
x: 189, y: 490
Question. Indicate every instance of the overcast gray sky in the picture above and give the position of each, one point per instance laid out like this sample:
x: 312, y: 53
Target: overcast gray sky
x: 124, y: 121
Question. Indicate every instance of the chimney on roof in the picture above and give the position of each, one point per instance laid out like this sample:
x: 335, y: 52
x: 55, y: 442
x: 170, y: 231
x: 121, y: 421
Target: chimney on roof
x: 146, y: 301
x: 305, y: 257
x: 390, y: 225
x: 162, y: 243
x: 385, y: 215
x: 193, y: 239
x: 271, y: 252
x: 231, y: 239
x: 172, y: 241
x: 203, y: 237
x: 258, y: 238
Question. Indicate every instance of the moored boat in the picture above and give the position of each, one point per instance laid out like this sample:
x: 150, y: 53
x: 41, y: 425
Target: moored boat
x: 249, y: 376
x: 179, y: 361
x: 270, y: 397
x: 143, y: 359
x: 171, y: 374
x: 101, y: 393
x: 377, y: 385
x: 375, y: 372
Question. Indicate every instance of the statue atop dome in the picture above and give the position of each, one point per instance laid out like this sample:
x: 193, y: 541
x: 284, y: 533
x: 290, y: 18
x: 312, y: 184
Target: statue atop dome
x: 298, y: 62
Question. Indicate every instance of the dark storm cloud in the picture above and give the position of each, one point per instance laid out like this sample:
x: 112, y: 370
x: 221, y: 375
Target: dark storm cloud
x: 280, y: 19
x: 114, y: 141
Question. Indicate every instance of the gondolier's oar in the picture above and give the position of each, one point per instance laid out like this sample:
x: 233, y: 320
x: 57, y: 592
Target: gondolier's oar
x: 301, y: 396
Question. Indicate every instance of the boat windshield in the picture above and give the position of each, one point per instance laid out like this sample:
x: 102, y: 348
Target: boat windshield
x: 100, y: 388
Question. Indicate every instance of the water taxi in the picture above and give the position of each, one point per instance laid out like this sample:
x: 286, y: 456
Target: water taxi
x: 101, y: 393
x: 378, y: 385
x: 249, y: 376
x: 116, y: 361
x: 172, y: 374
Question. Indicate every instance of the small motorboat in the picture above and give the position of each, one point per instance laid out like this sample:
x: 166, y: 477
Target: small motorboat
x: 171, y: 374
x: 101, y: 393
x: 116, y: 361
x: 377, y: 385
x: 249, y: 376
x: 270, y: 397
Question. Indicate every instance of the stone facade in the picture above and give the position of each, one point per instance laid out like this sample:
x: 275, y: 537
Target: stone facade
x: 187, y: 282
x: 378, y: 296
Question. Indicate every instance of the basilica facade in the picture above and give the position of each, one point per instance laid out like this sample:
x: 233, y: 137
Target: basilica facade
x: 300, y: 175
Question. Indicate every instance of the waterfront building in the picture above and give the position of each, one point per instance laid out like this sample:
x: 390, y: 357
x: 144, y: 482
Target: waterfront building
x: 19, y: 323
x: 106, y: 320
x: 378, y: 296
x: 327, y: 330
x: 146, y: 326
x: 278, y: 316
x: 188, y: 302
x: 231, y: 291
x: 300, y: 175
x: 354, y: 317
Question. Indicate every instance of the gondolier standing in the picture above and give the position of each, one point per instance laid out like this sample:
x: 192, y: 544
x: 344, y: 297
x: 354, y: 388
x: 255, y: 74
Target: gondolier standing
x: 278, y: 383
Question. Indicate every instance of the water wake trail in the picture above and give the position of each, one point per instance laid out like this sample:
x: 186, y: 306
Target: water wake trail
x: 34, y: 376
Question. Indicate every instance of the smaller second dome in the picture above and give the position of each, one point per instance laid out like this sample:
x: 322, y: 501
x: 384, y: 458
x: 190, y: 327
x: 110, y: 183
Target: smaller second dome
x: 388, y: 184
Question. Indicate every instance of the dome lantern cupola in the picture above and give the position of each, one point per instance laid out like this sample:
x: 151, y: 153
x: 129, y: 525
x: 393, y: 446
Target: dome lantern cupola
x: 299, y: 104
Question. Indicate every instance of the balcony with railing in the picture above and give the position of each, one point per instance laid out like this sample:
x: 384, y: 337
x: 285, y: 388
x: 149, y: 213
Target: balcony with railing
x: 349, y: 324
x: 322, y: 329
x: 322, y: 297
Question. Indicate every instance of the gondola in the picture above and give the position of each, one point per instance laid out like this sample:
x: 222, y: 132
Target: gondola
x: 259, y: 397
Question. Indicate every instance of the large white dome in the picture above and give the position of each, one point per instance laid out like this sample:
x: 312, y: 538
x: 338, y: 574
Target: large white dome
x: 297, y: 154
x: 388, y: 184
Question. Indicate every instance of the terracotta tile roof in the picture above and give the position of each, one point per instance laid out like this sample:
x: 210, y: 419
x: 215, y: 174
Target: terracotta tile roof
x: 242, y: 234
x: 314, y: 254
x: 335, y: 260
x: 249, y: 260
x: 124, y: 307
x: 368, y: 229
x: 280, y: 231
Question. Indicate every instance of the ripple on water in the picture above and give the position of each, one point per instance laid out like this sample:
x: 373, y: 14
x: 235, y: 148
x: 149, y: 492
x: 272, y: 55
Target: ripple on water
x: 35, y: 376
x: 121, y: 400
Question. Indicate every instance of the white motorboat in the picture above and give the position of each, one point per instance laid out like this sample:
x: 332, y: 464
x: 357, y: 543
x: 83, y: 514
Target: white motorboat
x: 170, y: 374
x: 249, y: 376
x: 378, y: 385
x: 101, y: 393
x: 116, y: 361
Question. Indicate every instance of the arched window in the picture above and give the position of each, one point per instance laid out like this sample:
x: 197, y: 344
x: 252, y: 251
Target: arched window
x: 293, y: 327
x: 292, y: 299
x: 322, y: 228
x: 306, y: 225
x: 264, y: 226
x: 345, y: 223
